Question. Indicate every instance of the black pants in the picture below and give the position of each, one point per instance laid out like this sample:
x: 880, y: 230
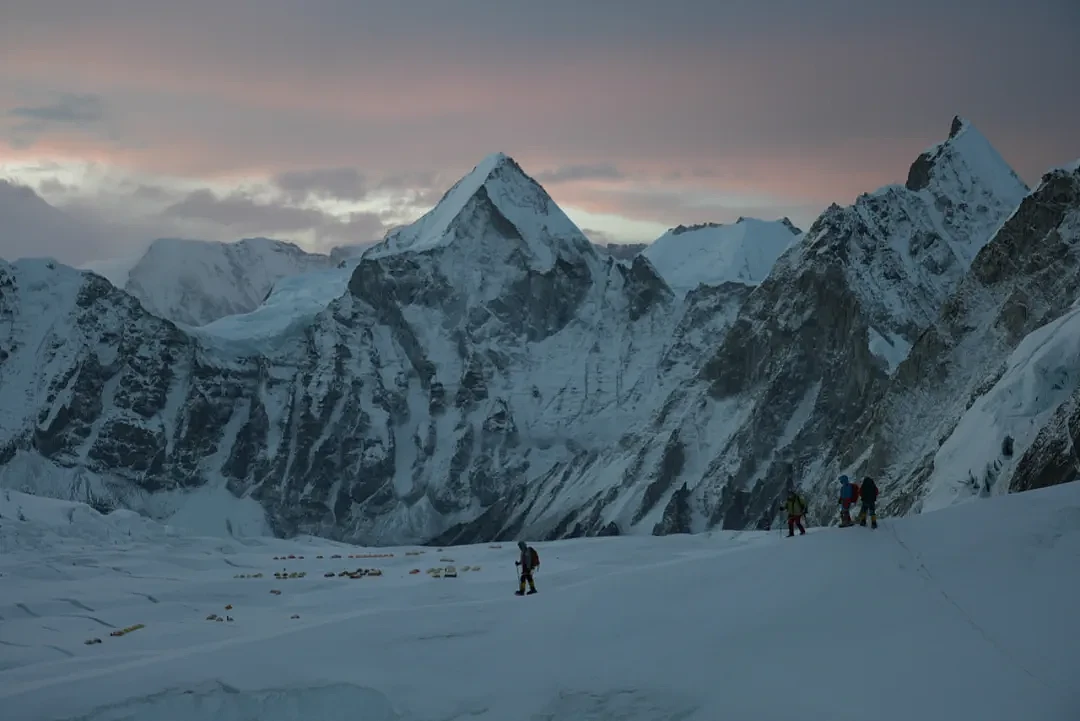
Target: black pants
x: 526, y: 577
x: 869, y: 508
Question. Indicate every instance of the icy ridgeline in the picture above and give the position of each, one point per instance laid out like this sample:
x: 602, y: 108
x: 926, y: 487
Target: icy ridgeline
x: 970, y: 616
x: 38, y: 524
x: 195, y: 282
x: 33, y: 525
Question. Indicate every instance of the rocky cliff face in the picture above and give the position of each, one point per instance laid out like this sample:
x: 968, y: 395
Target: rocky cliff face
x: 1020, y: 284
x: 818, y: 341
x: 486, y: 373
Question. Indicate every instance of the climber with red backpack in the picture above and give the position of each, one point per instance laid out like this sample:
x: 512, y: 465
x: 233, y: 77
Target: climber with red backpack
x: 528, y: 563
x: 849, y: 495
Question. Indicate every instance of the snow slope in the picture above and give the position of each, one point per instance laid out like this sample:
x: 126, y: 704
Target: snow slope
x: 743, y: 252
x: 287, y: 312
x: 195, y: 282
x: 49, y: 289
x: 936, y: 619
x: 1040, y: 375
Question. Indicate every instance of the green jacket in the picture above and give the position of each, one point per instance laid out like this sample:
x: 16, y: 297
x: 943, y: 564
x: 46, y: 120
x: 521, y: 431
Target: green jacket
x: 795, y: 505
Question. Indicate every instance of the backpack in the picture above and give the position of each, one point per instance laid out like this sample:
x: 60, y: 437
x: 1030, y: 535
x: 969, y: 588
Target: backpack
x: 534, y: 557
x: 796, y: 505
x: 854, y: 492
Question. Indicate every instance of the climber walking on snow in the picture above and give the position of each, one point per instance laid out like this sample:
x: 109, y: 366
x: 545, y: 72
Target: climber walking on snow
x: 527, y: 563
x: 795, y: 507
x: 869, y: 494
x: 849, y: 494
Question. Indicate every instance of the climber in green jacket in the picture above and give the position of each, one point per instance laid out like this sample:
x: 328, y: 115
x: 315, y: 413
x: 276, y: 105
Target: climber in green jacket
x: 796, y: 508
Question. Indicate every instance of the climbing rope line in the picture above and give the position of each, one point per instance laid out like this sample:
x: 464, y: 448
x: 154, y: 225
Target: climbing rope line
x: 933, y: 582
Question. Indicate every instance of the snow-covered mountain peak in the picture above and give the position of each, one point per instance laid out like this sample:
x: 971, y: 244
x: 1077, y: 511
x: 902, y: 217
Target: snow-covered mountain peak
x: 713, y: 253
x: 38, y: 275
x: 496, y: 212
x: 965, y: 165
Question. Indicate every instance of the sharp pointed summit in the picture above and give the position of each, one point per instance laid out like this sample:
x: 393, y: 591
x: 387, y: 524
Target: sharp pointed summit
x: 497, y: 201
x: 966, y: 158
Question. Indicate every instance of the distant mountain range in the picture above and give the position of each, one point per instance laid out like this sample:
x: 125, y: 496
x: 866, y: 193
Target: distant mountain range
x: 488, y: 373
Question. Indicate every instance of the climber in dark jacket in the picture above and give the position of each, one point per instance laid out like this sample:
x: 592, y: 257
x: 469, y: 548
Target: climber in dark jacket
x: 868, y: 494
x: 527, y: 564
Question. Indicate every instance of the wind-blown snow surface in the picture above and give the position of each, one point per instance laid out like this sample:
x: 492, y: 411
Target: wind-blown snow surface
x: 712, y: 254
x: 936, y: 617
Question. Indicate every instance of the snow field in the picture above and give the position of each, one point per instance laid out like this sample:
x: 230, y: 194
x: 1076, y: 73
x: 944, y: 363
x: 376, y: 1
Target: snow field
x: 962, y: 613
x: 743, y: 252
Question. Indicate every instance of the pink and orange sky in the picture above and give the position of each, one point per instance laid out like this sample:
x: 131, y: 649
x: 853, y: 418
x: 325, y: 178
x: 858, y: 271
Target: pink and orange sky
x: 327, y: 121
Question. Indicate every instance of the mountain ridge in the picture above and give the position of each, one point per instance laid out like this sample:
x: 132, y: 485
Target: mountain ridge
x: 486, y: 373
